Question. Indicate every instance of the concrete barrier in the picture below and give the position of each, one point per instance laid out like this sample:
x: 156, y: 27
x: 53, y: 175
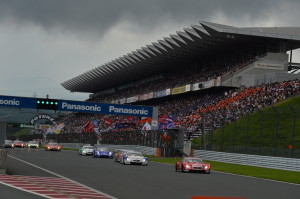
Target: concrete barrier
x: 3, y: 156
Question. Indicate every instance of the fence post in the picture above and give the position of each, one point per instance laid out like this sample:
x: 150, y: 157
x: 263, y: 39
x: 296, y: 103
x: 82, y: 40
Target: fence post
x: 212, y: 131
x: 234, y: 133
x: 261, y: 131
x: 203, y: 133
x: 223, y: 127
x: 276, y: 132
x: 247, y: 131
x: 293, y: 132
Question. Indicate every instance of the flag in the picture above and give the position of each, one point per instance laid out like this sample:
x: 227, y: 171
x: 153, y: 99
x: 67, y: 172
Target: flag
x: 146, y: 126
x: 108, y: 121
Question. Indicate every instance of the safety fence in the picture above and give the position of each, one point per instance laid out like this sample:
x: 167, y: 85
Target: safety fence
x: 274, y: 131
x: 290, y: 164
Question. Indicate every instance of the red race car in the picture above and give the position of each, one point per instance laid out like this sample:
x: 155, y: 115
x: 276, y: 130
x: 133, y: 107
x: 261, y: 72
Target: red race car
x: 192, y: 164
x: 18, y: 143
x: 52, y: 146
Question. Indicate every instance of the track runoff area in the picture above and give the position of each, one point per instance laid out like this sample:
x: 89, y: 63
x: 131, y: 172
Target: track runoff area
x: 50, y: 174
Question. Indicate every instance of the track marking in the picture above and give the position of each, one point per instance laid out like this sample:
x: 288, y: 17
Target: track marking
x: 240, y: 175
x: 25, y: 190
x: 65, y: 178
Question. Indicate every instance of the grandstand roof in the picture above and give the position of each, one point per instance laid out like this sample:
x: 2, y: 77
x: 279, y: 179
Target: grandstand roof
x: 198, y: 41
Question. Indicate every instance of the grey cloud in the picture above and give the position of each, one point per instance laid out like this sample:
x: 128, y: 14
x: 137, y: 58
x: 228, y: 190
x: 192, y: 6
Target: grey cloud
x: 97, y: 16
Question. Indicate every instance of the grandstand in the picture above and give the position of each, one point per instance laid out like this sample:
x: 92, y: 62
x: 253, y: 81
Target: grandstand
x: 208, y: 68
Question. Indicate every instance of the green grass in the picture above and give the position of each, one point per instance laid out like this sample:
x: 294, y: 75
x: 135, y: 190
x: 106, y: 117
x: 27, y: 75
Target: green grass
x: 70, y: 149
x: 259, y: 130
x: 273, y: 174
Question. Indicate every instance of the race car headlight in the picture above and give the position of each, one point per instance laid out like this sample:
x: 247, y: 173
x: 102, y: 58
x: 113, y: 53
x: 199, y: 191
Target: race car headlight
x: 187, y: 166
x: 206, y: 167
x: 110, y: 153
x: 29, y: 145
x: 128, y: 159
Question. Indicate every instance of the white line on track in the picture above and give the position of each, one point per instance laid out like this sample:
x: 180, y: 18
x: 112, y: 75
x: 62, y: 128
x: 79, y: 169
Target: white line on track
x: 240, y: 175
x: 60, y: 176
x: 25, y: 190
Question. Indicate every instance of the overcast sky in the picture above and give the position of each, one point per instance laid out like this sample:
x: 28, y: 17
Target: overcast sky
x: 46, y: 42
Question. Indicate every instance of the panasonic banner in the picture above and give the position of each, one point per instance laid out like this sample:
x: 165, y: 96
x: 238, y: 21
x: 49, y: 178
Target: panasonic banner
x: 78, y: 106
x: 115, y: 109
x: 17, y: 102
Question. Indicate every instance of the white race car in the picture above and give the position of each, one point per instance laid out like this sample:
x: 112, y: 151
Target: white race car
x: 134, y: 157
x: 86, y: 150
x: 32, y: 144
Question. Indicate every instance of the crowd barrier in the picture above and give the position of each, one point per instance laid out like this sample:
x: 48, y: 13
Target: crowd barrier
x: 3, y: 156
x: 291, y: 164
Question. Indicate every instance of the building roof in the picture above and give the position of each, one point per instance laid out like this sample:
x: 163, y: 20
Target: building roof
x: 199, y: 41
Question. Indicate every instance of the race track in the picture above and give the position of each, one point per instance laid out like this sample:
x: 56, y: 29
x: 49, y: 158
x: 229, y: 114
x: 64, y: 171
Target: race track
x: 155, y: 181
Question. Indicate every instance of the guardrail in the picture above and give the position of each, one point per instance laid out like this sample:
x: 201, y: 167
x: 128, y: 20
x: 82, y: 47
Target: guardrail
x: 290, y: 164
x: 144, y: 149
x: 3, y: 156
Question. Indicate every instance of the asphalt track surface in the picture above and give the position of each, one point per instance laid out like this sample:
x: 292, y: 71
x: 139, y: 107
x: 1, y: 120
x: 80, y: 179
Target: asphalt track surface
x: 155, y: 181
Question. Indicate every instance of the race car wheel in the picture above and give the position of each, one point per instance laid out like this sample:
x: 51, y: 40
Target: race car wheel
x: 207, y: 172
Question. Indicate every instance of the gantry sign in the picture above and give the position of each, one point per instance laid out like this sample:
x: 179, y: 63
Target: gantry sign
x: 76, y: 106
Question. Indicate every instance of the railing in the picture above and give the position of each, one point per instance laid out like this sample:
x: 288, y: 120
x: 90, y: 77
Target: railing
x: 290, y: 164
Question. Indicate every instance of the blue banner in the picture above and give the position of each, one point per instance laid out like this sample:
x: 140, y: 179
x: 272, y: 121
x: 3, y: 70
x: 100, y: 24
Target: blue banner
x: 77, y: 106
x: 115, y: 109
x: 17, y: 102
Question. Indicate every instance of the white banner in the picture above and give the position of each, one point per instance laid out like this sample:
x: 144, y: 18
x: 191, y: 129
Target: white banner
x: 269, y: 66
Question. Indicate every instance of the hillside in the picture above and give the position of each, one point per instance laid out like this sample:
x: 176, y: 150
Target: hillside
x: 272, y: 131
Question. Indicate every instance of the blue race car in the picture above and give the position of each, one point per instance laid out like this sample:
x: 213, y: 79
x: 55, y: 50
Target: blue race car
x: 102, y: 152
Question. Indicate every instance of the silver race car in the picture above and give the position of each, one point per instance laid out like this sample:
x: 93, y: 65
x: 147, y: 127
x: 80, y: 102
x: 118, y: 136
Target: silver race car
x: 134, y: 157
x: 86, y: 150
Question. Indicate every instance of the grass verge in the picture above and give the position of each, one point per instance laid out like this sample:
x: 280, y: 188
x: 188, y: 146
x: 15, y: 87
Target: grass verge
x: 260, y: 172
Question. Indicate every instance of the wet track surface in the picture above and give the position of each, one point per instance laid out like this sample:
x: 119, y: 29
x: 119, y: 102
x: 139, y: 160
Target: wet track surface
x: 148, y: 182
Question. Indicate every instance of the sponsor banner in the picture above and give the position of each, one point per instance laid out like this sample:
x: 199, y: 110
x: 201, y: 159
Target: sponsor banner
x: 42, y: 126
x: 178, y: 90
x: 142, y: 97
x: 122, y: 101
x: 17, y: 102
x: 90, y: 107
x: 197, y: 86
x: 269, y: 66
x: 27, y: 126
x: 218, y: 81
x: 168, y: 91
x: 209, y: 83
x: 188, y: 88
x: 41, y: 117
x: 150, y: 95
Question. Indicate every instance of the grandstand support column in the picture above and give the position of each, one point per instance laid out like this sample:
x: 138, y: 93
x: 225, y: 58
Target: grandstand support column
x: 261, y: 131
x: 276, y: 132
x: 293, y: 132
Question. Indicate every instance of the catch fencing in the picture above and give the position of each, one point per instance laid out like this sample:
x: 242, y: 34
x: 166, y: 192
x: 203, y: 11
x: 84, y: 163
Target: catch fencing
x: 290, y: 164
x: 275, y: 131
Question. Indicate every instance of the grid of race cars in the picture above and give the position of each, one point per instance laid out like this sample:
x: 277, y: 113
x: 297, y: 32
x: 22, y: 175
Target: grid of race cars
x: 123, y: 156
